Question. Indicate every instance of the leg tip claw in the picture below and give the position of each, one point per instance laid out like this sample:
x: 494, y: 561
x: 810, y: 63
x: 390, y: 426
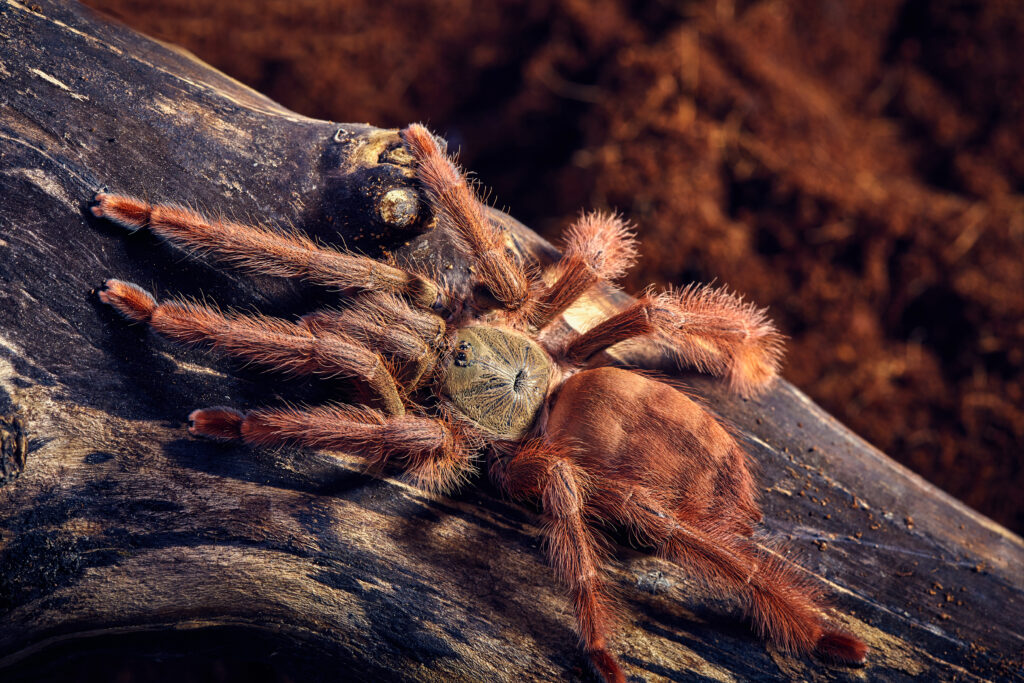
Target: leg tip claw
x: 222, y: 424
x: 131, y: 301
x: 842, y: 648
x: 127, y: 212
x: 97, y: 207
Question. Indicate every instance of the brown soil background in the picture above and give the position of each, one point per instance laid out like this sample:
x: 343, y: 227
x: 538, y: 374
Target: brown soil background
x: 856, y: 166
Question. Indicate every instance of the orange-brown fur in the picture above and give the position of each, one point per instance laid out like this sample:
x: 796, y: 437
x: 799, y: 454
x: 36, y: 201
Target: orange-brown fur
x: 270, y: 342
x: 457, y: 206
x: 707, y: 329
x: 641, y: 432
x: 262, y: 250
x: 598, y: 247
x: 608, y: 445
x: 670, y: 472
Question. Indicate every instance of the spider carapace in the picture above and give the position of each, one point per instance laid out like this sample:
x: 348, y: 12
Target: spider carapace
x: 442, y: 377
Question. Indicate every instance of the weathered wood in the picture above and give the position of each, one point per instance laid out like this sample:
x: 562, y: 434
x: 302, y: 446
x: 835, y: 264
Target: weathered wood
x: 124, y: 542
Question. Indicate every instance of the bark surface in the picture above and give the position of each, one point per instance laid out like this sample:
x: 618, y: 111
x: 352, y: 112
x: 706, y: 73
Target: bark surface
x: 124, y: 543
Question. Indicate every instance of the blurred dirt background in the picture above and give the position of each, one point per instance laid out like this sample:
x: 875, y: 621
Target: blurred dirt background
x: 855, y: 165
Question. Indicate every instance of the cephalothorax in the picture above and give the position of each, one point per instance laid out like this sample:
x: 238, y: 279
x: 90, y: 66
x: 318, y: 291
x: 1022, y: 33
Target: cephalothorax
x: 498, y: 379
x: 443, y: 374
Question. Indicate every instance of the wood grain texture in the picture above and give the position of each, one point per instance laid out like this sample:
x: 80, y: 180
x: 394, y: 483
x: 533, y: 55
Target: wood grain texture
x: 125, y: 543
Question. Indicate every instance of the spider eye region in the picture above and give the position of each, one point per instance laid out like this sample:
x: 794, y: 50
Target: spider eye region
x: 498, y: 379
x: 463, y: 353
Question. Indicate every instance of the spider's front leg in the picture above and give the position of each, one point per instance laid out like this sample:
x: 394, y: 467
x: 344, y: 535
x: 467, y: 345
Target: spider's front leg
x: 271, y: 342
x: 434, y: 453
x: 266, y: 251
x: 462, y: 217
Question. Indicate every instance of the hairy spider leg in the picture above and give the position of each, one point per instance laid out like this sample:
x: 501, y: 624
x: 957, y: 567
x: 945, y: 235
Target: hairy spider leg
x: 271, y: 252
x: 597, y: 247
x: 572, y: 552
x: 710, y: 329
x: 411, y: 336
x: 271, y: 342
x: 434, y: 453
x: 784, y: 605
x: 461, y: 215
x: 545, y: 470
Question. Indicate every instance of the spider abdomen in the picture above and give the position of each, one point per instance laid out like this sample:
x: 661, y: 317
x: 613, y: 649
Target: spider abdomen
x: 636, y: 430
x: 498, y: 379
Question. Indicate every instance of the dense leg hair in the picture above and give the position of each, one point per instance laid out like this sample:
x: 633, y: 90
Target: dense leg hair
x: 267, y: 251
x: 784, y: 605
x: 597, y: 247
x: 270, y: 342
x: 541, y: 469
x: 710, y: 329
x: 462, y: 216
x: 412, y: 337
x: 434, y: 454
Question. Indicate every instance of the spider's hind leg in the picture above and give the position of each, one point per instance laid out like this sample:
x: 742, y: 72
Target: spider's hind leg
x: 546, y: 470
x: 597, y: 247
x: 784, y: 605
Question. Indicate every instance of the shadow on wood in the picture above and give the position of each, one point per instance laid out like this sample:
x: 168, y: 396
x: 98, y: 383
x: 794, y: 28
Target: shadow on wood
x: 124, y: 543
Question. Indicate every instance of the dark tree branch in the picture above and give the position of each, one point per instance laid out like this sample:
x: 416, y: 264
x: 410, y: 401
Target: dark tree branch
x: 125, y: 541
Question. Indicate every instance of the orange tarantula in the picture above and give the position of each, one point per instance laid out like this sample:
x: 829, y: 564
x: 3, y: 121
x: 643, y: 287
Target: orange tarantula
x: 442, y: 377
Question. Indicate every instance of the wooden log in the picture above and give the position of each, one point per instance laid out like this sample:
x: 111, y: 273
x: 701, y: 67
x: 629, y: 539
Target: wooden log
x: 124, y: 544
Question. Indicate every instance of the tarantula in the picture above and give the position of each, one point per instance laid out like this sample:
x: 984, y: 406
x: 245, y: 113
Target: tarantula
x: 441, y: 377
